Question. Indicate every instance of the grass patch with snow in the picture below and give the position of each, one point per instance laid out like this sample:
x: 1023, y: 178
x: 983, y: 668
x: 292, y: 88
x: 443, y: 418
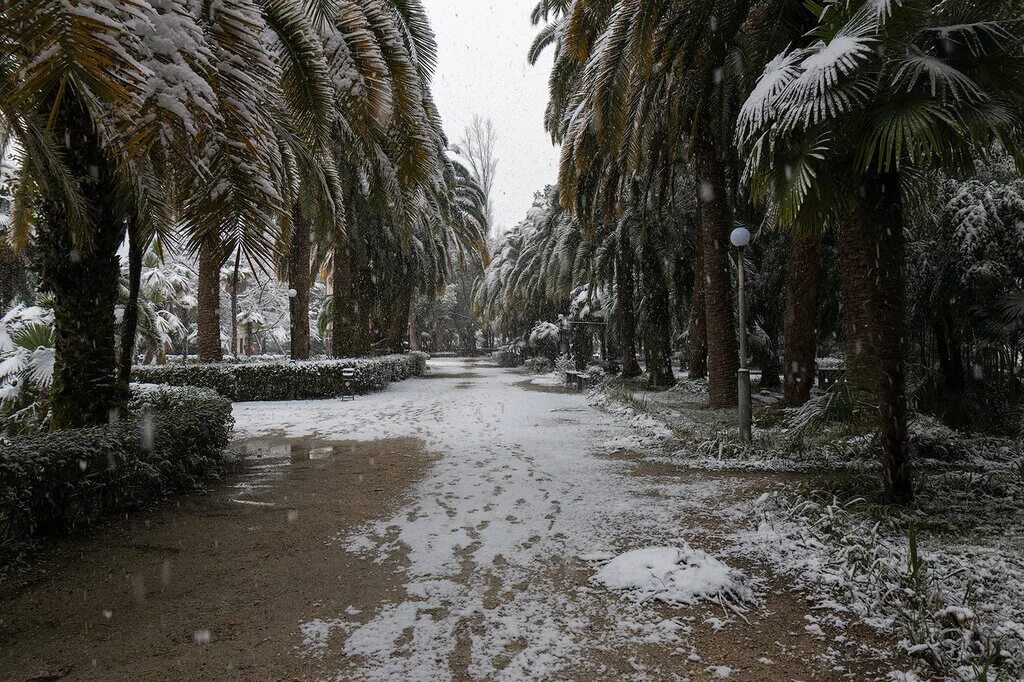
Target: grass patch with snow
x: 944, y: 576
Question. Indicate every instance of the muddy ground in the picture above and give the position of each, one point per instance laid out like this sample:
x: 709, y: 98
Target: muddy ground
x: 209, y: 588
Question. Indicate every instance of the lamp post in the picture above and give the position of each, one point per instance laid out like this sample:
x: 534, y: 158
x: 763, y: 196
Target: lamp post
x: 740, y: 237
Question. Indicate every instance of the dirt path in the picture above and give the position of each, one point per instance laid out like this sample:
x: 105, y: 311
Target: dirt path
x: 214, y: 586
x: 374, y: 559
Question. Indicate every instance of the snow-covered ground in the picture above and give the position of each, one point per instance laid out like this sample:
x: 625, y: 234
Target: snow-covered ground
x: 944, y: 577
x: 552, y: 555
x: 518, y: 487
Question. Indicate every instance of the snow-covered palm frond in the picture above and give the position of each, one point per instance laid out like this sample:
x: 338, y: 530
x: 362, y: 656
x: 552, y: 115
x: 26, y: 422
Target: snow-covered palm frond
x: 831, y: 81
x: 943, y: 80
x: 26, y: 351
x: 978, y: 35
x: 894, y: 84
x: 760, y: 108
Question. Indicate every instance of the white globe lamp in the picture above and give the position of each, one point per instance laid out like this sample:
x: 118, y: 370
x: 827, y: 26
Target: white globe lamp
x: 740, y: 237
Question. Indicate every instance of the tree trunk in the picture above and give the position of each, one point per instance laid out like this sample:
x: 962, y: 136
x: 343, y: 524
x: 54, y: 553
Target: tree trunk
x: 343, y: 315
x: 299, y: 277
x: 626, y: 308
x: 83, y: 279
x: 208, y: 299
x: 723, y: 356
x: 880, y: 210
x: 398, y: 322
x: 414, y: 337
x: 801, y: 345
x: 855, y: 254
x: 10, y: 265
x: 698, y: 362
x: 130, y: 321
x: 658, y: 325
x: 362, y: 298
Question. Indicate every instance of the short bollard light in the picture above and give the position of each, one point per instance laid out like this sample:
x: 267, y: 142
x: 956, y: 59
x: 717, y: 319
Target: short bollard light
x: 740, y: 238
x: 348, y: 383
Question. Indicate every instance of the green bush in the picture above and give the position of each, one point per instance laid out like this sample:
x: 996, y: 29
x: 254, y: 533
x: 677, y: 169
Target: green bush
x: 309, y: 380
x: 508, y: 356
x: 540, y: 365
x: 172, y: 441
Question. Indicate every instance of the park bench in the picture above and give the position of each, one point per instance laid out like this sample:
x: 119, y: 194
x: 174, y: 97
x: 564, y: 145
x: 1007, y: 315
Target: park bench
x: 578, y: 380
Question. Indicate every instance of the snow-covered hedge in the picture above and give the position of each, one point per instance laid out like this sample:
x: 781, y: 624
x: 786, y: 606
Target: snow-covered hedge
x: 539, y: 365
x: 510, y: 355
x: 173, y: 441
x: 310, y: 380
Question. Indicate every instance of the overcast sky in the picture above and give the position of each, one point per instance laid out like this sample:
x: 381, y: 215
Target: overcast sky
x: 483, y: 70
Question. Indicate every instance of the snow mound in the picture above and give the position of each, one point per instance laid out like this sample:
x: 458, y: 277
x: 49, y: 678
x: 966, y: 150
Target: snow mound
x: 671, y: 575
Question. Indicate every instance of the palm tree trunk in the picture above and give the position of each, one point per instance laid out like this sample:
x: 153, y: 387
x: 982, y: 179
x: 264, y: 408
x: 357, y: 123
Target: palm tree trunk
x: 364, y: 315
x: 880, y: 210
x: 362, y: 298
x: 855, y: 255
x: 10, y: 265
x: 398, y: 321
x: 83, y: 279
x: 698, y: 362
x: 130, y: 321
x: 299, y: 282
x: 625, y: 307
x: 414, y: 337
x: 208, y: 299
x: 658, y: 325
x: 802, y: 278
x: 716, y: 222
x: 343, y: 317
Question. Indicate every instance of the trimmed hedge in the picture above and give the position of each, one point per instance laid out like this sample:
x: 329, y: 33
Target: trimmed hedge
x: 173, y: 441
x: 309, y: 380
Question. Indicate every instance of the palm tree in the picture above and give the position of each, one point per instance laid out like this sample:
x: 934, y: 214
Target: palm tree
x: 102, y: 108
x: 886, y: 87
x: 635, y: 82
x: 533, y: 268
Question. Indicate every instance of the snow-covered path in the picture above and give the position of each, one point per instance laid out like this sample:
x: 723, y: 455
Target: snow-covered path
x: 519, y: 487
x: 496, y: 544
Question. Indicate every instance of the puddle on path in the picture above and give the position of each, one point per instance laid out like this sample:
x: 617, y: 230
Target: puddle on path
x: 213, y: 586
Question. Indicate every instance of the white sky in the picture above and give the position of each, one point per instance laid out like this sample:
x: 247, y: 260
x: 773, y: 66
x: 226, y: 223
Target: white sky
x: 482, y: 69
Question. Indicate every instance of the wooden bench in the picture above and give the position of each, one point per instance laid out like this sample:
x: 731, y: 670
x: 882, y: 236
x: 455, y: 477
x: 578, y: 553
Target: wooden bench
x: 578, y: 380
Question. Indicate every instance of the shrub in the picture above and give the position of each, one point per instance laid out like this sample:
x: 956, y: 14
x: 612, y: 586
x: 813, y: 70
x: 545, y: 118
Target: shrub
x: 309, y: 380
x: 544, y: 339
x: 216, y: 377
x: 172, y: 441
x: 539, y: 365
x: 565, y: 364
x: 509, y: 356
